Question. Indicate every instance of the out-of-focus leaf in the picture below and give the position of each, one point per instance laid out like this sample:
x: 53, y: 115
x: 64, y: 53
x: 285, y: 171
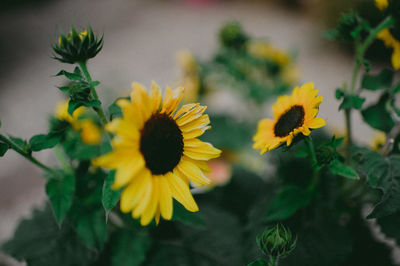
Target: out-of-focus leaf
x: 42, y: 141
x: 3, y: 149
x: 110, y: 196
x: 338, y: 168
x: 376, y: 82
x: 129, y: 248
x: 377, y: 116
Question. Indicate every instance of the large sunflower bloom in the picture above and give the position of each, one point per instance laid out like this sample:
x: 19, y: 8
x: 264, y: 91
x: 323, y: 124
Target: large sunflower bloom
x: 156, y: 152
x: 292, y: 115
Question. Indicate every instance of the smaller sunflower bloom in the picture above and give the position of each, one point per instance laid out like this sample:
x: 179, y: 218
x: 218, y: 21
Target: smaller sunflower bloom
x: 293, y: 114
x: 264, y: 50
x: 90, y: 132
x: 156, y: 152
x: 391, y: 42
x: 190, y: 76
x: 378, y: 140
x: 381, y: 4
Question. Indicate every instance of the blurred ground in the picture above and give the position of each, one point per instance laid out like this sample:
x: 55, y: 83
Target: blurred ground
x: 141, y: 39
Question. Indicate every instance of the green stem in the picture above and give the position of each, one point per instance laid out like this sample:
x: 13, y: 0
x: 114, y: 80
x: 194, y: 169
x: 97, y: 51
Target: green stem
x: 98, y: 110
x: 360, y: 51
x: 311, y: 149
x: 273, y: 261
x: 28, y: 156
x: 314, y: 161
x: 61, y: 158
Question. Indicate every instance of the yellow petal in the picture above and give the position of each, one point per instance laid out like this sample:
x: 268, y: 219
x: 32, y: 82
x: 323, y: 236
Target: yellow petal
x: 150, y: 210
x: 198, y: 123
x: 134, y: 192
x: 203, y: 151
x: 185, y: 109
x: 396, y: 57
x: 156, y: 97
x: 195, y: 132
x: 126, y: 172
x: 191, y: 171
x: 180, y: 191
x: 165, y: 198
x: 144, y: 201
x: 317, y: 122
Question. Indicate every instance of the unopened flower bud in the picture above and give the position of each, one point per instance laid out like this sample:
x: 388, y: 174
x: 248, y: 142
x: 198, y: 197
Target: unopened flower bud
x: 277, y: 242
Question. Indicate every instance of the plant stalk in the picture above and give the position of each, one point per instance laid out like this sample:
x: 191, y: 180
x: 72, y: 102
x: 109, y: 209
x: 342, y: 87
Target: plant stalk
x: 29, y: 157
x: 273, y: 261
x: 99, y: 109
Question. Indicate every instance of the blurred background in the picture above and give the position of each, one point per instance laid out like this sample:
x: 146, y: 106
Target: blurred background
x: 141, y: 39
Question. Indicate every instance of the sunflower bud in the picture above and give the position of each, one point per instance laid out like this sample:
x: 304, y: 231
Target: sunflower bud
x: 277, y: 242
x: 233, y: 36
x: 77, y: 47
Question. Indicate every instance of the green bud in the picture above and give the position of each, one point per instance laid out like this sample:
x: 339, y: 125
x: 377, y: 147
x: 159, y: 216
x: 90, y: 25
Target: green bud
x: 77, y: 47
x: 277, y: 242
x: 233, y: 36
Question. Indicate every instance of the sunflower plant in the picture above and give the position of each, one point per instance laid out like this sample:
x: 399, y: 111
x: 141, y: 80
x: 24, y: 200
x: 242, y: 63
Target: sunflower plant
x: 159, y: 178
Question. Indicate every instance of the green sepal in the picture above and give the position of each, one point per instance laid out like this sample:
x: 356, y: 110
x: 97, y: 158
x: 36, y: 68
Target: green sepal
x: 338, y: 168
x: 380, y: 81
x: 3, y: 149
x: 258, y: 262
x: 60, y: 188
x: 289, y: 200
x: 110, y: 196
x: 43, y: 141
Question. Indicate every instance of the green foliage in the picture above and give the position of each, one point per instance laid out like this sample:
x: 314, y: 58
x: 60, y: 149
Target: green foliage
x: 3, y: 149
x: 91, y: 228
x: 40, y: 242
x: 390, y: 226
x: 378, y: 82
x: 289, y: 200
x: 114, y: 110
x: 20, y: 143
x: 233, y: 36
x: 349, y: 101
x: 350, y: 27
x: 258, y: 262
x: 338, y: 168
x: 60, y: 189
x: 43, y: 141
x: 194, y: 219
x: 129, y: 248
x: 382, y: 173
x: 378, y: 116
x: 110, y: 196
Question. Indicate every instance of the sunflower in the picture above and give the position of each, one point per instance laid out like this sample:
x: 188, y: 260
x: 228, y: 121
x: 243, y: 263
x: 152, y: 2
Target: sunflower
x: 264, y: 50
x: 389, y: 38
x: 190, y: 75
x: 292, y: 115
x: 156, y: 152
x: 90, y: 132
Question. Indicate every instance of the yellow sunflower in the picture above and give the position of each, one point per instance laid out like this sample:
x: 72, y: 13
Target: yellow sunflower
x: 264, y: 50
x: 388, y: 38
x: 90, y: 132
x: 156, y: 152
x: 292, y: 115
x: 190, y: 75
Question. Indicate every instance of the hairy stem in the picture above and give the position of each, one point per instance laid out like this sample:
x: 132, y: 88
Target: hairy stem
x: 273, y: 261
x: 360, y: 51
x: 98, y: 110
x: 27, y: 156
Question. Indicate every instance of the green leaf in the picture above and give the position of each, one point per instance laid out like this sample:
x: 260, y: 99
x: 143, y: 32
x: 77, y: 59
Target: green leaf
x: 22, y: 144
x: 129, y: 248
x: 382, y: 173
x: 41, y: 142
x: 194, y: 219
x: 110, y: 196
x: 60, y: 189
x: 377, y: 116
x: 69, y: 75
x: 3, y: 149
x: 288, y: 201
x: 339, y: 94
x: 40, y: 242
x: 376, y: 82
x: 390, y: 226
x: 92, y: 229
x: 351, y: 101
x: 338, y: 168
x: 258, y: 262
x: 114, y: 110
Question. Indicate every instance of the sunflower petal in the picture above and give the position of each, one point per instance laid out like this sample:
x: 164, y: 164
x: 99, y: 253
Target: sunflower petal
x: 180, y: 191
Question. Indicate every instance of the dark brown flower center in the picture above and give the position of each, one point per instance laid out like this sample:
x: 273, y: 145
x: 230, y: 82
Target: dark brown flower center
x: 293, y: 118
x: 161, y: 144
